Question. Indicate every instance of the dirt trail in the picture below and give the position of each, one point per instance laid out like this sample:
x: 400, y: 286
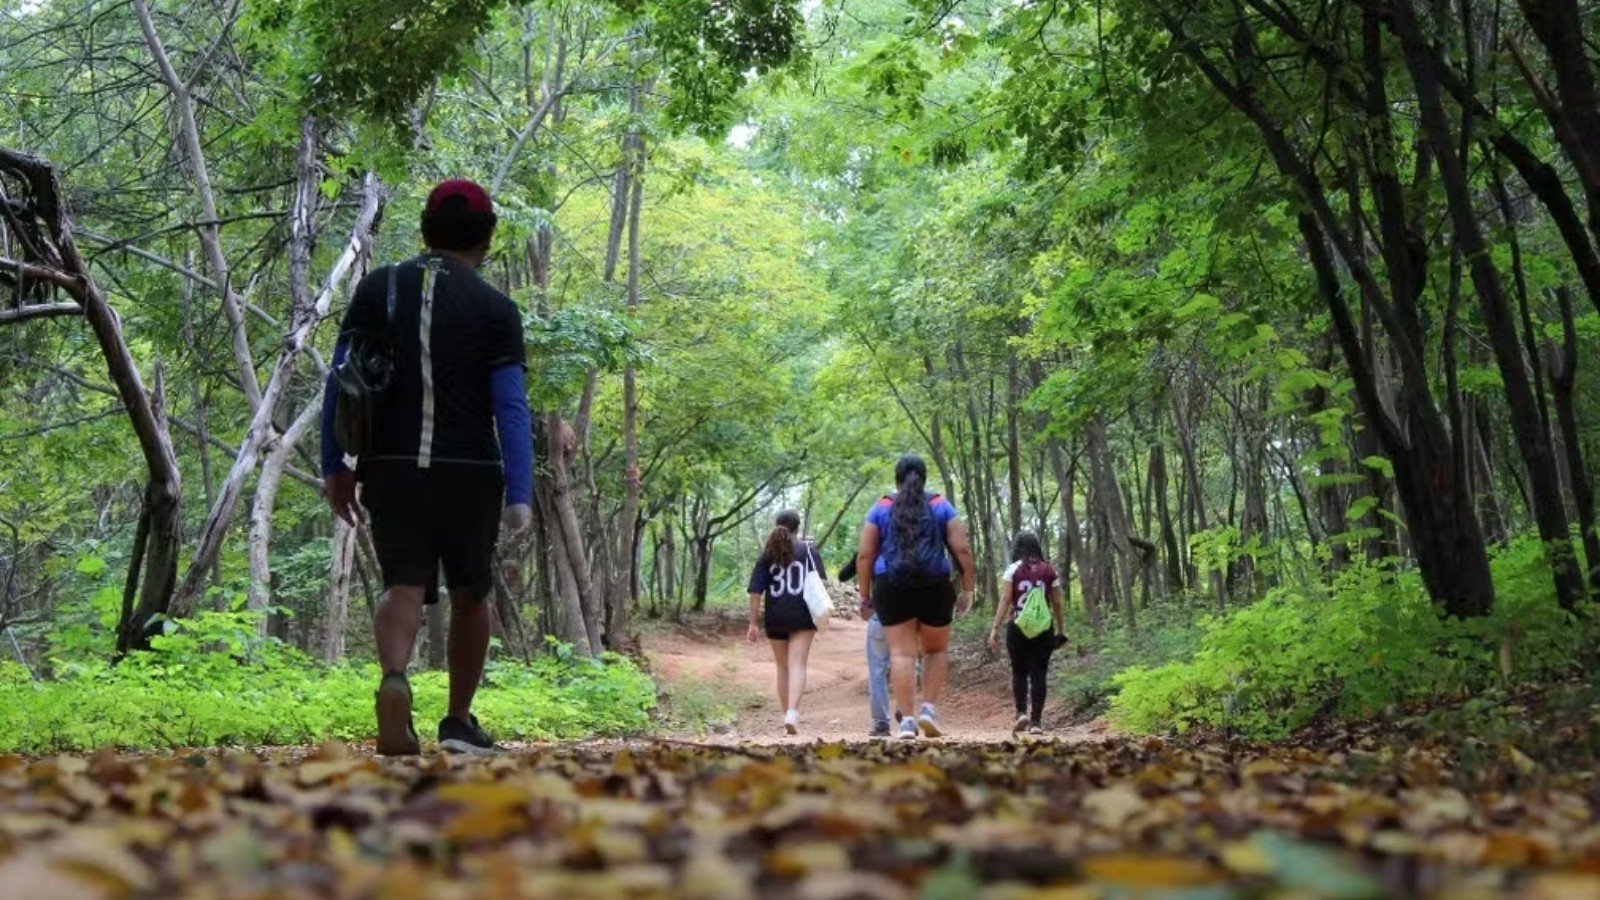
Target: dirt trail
x: 713, y: 651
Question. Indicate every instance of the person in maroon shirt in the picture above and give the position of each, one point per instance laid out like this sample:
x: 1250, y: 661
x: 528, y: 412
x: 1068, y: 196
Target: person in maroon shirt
x: 1030, y: 657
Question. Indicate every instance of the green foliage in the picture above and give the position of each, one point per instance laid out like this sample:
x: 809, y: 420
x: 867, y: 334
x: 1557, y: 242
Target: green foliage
x: 565, y: 345
x: 378, y: 56
x: 1368, y: 640
x: 708, y: 47
x: 1085, y: 673
x: 212, y: 680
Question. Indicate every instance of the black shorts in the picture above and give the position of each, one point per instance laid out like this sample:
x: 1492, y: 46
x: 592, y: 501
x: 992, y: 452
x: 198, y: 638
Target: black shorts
x: 930, y: 603
x: 786, y: 617
x: 447, y: 515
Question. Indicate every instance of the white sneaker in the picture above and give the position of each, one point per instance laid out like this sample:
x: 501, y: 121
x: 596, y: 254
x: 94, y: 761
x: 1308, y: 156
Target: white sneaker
x: 908, y: 729
x: 1021, y: 725
x: 791, y: 721
x: 928, y: 721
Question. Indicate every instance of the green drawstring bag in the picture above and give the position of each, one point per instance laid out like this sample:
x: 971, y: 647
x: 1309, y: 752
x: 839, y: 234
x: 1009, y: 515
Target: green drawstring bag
x: 1035, y: 617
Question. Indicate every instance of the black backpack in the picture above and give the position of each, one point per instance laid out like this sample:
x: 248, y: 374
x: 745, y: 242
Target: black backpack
x: 363, y: 380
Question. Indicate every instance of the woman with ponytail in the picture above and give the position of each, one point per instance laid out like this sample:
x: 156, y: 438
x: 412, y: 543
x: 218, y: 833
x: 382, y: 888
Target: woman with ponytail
x: 1030, y: 656
x: 906, y: 543
x: 778, y: 583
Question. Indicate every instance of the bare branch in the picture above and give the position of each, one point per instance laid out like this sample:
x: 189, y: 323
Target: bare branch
x: 39, y: 311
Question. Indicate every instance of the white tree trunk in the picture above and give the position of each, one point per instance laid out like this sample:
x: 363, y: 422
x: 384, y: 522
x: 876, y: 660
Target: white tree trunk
x: 266, y: 499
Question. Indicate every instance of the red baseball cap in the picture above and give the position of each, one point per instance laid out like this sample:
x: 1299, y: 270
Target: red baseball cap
x: 476, y: 197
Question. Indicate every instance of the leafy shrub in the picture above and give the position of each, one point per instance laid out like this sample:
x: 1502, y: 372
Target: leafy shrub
x: 1169, y: 630
x: 212, y: 680
x: 1367, y: 640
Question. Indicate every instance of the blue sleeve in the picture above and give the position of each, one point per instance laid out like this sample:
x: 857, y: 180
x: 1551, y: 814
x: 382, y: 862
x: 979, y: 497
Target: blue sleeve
x: 508, y: 392
x: 332, y: 454
x: 945, y: 511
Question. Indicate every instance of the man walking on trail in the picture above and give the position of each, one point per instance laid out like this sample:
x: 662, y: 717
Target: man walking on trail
x: 877, y: 662
x: 432, y: 481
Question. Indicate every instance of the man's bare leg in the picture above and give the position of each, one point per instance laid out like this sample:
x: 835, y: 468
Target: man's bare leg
x: 395, y: 627
x: 467, y: 648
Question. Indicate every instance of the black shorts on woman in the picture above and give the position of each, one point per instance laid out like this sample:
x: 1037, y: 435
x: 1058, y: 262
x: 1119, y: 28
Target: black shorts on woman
x: 929, y: 601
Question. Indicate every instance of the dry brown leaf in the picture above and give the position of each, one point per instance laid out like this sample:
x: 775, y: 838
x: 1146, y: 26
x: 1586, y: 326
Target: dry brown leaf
x: 1112, y: 807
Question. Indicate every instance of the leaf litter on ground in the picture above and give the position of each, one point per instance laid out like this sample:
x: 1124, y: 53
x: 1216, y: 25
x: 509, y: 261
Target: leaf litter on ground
x: 939, y: 821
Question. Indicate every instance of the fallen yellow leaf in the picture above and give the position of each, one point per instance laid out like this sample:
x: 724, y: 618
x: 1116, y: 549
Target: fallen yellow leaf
x: 1138, y: 870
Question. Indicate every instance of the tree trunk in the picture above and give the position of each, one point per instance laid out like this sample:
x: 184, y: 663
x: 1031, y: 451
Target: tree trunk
x: 1253, y: 522
x: 625, y: 577
x: 702, y: 570
x: 1533, y: 438
x: 266, y: 499
x: 670, y: 591
x: 336, y: 618
x: 572, y: 569
x: 1014, y: 448
x: 1194, y: 490
x: 1563, y: 366
x: 1114, y: 540
x: 1169, y: 535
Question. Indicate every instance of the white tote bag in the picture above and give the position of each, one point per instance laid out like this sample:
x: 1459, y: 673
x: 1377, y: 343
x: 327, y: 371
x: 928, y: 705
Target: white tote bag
x: 816, y: 593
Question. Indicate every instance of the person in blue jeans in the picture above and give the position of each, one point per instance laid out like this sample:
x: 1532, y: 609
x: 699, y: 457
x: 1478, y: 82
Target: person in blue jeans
x: 877, y: 663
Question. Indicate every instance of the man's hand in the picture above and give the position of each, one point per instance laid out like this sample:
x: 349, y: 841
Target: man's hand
x: 515, y: 521
x: 994, y: 641
x: 340, y: 489
x: 964, y: 603
x: 753, y: 635
x: 865, y: 610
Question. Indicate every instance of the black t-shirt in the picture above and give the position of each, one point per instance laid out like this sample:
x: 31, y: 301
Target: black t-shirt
x: 450, y: 330
x: 786, y: 583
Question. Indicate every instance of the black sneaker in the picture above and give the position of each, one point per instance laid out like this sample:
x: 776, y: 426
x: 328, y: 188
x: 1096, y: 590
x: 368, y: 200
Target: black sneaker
x: 396, y: 734
x: 879, y: 730
x: 456, y: 736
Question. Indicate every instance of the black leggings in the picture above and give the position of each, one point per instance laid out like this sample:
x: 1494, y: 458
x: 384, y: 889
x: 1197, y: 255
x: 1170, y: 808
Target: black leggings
x: 1030, y: 661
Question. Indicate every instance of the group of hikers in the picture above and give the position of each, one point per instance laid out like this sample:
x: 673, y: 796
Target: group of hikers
x: 912, y: 547
x: 427, y: 395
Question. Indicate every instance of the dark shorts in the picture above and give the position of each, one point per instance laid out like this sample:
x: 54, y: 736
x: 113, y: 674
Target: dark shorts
x: 784, y: 618
x: 444, y: 516
x: 1025, y: 651
x: 931, y: 603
